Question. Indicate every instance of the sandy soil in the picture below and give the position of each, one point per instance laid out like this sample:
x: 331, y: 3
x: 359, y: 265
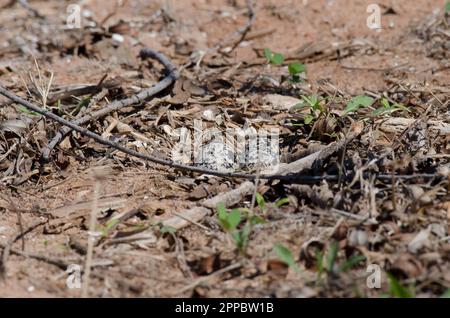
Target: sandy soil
x: 405, y: 62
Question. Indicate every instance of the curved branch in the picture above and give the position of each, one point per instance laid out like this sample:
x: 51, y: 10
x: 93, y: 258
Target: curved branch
x: 116, y: 105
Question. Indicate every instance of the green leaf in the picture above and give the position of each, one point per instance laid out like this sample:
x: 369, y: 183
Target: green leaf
x: 396, y: 289
x: 223, y: 216
x: 260, y: 201
x: 236, y: 236
x: 352, y: 261
x: 241, y: 237
x: 111, y: 223
x: 221, y: 209
x: 379, y: 111
x: 245, y: 233
x: 308, y: 100
x: 357, y: 102
x: 273, y: 58
x: 284, y: 254
x: 385, y: 103
x: 234, y: 218
x: 402, y: 107
x: 446, y: 294
x: 387, y: 107
x: 282, y: 202
x: 168, y: 229
x: 296, y: 68
x: 313, y: 102
x: 277, y: 59
x: 319, y: 263
x: 256, y: 219
x: 299, y: 106
x: 334, y: 248
x: 25, y: 110
x: 268, y: 54
x: 447, y: 6
x: 308, y: 119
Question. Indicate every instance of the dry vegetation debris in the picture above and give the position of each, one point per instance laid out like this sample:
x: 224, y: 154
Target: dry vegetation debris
x: 364, y: 144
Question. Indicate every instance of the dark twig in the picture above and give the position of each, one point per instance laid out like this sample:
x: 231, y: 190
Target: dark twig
x: 136, y: 154
x: 244, y: 31
x: 113, y: 144
x: 116, y: 105
x: 26, y: 5
x: 298, y: 178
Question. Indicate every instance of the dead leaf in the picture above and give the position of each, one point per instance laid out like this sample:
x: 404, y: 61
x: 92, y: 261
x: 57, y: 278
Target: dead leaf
x: 280, y: 102
x: 407, y: 266
x: 419, y: 241
x: 309, y: 251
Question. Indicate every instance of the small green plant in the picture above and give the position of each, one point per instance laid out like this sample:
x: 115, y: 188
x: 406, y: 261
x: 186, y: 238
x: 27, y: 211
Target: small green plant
x: 351, y: 262
x: 167, y: 229
x: 314, y: 104
x: 326, y: 263
x: 332, y: 254
x: 387, y: 107
x: 230, y: 222
x: 319, y: 264
x: 240, y: 237
x: 84, y: 102
x: 295, y: 68
x: 357, y: 102
x: 282, y: 202
x: 397, y: 290
x: 285, y: 256
x: 273, y: 58
x: 25, y: 110
x: 260, y: 201
x: 105, y: 229
x: 446, y: 294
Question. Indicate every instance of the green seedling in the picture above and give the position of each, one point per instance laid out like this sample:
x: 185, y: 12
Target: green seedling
x: 357, y: 102
x: 273, y: 58
x: 333, y: 135
x: 326, y: 263
x: 84, y: 102
x: 295, y: 68
x: 282, y: 202
x: 397, y: 290
x: 240, y: 237
x: 446, y: 294
x: 285, y: 256
x: 351, y: 262
x: 331, y: 257
x: 388, y: 108
x: 314, y: 104
x: 167, y: 229
x: 25, y: 110
x: 320, y: 265
x: 260, y: 201
x: 105, y: 229
x: 231, y: 221
x: 228, y: 221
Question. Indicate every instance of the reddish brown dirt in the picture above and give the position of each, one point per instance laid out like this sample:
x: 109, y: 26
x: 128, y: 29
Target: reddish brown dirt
x: 171, y: 265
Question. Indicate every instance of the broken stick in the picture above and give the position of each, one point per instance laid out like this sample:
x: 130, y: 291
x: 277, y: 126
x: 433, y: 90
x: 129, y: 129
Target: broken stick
x: 116, y: 105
